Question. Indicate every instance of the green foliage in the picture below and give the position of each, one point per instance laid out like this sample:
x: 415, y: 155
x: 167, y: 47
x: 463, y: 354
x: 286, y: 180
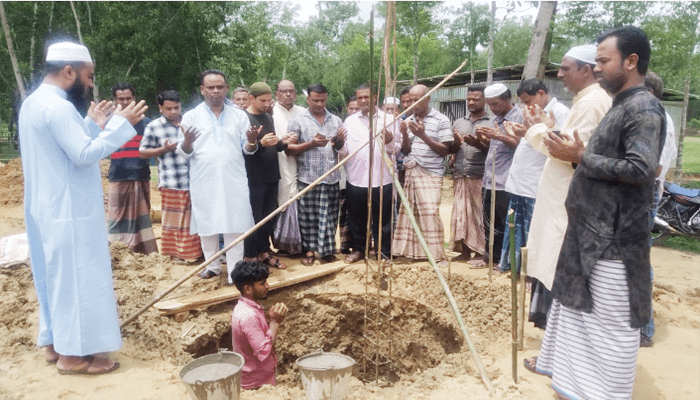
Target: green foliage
x: 691, y: 155
x: 165, y: 45
x: 683, y: 243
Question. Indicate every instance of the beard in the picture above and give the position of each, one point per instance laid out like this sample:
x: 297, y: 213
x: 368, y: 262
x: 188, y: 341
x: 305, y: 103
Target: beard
x: 77, y: 94
x: 612, y: 82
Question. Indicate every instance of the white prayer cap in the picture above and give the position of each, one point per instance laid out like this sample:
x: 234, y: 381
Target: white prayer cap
x: 69, y: 52
x: 494, y: 90
x: 392, y: 100
x: 585, y: 53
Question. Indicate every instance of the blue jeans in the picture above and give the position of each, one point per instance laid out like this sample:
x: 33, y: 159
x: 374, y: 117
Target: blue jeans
x: 648, y: 330
x: 523, y: 207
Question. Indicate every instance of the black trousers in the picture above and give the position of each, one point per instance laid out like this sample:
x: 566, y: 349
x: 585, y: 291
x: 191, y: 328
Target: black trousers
x: 356, y: 198
x: 263, y: 200
x: 501, y: 215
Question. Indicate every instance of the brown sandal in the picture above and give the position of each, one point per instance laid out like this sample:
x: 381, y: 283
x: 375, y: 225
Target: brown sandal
x: 308, y: 259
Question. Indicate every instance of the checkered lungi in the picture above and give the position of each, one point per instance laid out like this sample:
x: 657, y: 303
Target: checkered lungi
x: 467, y: 225
x: 177, y: 210
x: 129, y: 216
x: 287, y: 236
x: 424, y: 192
x: 318, y: 218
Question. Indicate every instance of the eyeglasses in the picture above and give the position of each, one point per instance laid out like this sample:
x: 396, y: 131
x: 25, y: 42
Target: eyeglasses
x: 290, y: 92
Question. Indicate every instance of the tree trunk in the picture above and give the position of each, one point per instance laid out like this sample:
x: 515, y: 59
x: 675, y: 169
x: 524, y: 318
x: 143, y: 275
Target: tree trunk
x: 11, y: 51
x: 492, y: 34
x: 415, y: 66
x: 684, y: 115
x: 539, y: 38
x: 389, y: 85
x: 32, y: 44
x: 51, y: 17
x: 77, y: 22
x: 545, y: 55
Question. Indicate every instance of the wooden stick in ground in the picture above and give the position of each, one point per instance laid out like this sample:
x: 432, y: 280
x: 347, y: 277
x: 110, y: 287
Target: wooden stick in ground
x: 492, y: 214
x: 523, y: 283
x: 514, y: 292
x: 277, y: 211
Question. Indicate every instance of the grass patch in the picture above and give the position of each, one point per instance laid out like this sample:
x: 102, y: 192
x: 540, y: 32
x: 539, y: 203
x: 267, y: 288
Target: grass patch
x: 683, y: 243
x: 691, y: 155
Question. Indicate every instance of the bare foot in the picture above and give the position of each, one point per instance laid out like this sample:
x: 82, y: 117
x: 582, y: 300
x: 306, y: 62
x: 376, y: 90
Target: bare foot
x: 50, y: 354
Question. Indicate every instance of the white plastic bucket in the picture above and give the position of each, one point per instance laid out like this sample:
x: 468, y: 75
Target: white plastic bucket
x: 214, y: 377
x: 325, y: 376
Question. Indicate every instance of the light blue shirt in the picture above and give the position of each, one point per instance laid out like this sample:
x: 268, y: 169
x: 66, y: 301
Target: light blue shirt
x: 65, y: 220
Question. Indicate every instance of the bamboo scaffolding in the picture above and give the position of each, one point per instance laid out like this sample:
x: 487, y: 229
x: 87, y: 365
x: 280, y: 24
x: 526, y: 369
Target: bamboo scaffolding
x: 446, y: 289
x: 272, y: 214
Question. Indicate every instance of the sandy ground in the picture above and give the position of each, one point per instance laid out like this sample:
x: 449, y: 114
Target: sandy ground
x: 431, y: 361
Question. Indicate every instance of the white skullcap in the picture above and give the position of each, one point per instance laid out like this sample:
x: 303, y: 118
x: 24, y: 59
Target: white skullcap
x: 70, y: 52
x: 392, y: 100
x: 494, y: 90
x: 585, y: 53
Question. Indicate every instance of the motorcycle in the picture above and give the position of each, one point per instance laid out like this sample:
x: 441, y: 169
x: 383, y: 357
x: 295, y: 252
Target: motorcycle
x: 679, y: 208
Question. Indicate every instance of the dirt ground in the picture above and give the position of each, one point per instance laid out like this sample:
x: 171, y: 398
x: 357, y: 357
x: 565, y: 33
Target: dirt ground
x: 430, y: 358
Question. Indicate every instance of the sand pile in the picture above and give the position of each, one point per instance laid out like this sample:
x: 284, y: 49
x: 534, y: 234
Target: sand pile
x: 11, y: 183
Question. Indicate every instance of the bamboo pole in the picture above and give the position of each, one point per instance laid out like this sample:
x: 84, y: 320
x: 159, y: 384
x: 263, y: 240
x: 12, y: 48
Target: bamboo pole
x: 514, y: 293
x: 274, y: 213
x: 453, y: 304
x: 492, y: 214
x: 523, y: 284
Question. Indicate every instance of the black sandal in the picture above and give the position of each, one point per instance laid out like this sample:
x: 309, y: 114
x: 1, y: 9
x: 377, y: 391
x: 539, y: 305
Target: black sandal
x: 308, y: 259
x: 275, y: 264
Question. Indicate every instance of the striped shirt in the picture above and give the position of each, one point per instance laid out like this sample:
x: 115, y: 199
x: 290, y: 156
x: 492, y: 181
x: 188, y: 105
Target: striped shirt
x: 126, y: 163
x: 316, y: 161
x: 437, y: 127
x: 173, y: 169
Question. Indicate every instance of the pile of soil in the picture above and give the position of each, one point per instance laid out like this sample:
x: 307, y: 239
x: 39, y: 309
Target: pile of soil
x: 11, y: 183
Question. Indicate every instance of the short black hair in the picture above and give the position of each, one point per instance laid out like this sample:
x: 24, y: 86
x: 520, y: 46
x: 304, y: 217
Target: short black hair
x: 352, y: 98
x: 170, y: 95
x: 123, y: 86
x: 476, y: 88
x: 316, y: 88
x: 53, y: 67
x: 531, y: 87
x: 211, y: 72
x: 248, y: 272
x: 653, y: 81
x: 240, y: 89
x: 631, y: 40
x: 404, y: 90
x: 363, y: 86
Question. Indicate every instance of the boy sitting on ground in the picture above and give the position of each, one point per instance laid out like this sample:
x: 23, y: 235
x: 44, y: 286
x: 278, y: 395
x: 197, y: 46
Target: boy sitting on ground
x: 252, y: 337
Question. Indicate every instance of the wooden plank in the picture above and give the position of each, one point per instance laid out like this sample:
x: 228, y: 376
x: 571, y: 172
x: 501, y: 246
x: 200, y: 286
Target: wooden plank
x: 279, y: 279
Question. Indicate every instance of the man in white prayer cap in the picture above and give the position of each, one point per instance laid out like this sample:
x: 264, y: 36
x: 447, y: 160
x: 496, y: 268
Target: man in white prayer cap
x: 391, y: 106
x: 549, y: 218
x: 64, y: 210
x: 500, y: 157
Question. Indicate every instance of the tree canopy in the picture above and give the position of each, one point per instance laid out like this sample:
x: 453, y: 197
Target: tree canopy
x: 165, y: 45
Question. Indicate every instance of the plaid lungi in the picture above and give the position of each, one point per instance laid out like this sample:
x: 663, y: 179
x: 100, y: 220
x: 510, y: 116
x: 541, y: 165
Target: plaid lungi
x: 424, y: 192
x: 177, y: 210
x: 318, y: 218
x: 287, y: 236
x: 129, y: 216
x: 345, y: 237
x: 467, y: 225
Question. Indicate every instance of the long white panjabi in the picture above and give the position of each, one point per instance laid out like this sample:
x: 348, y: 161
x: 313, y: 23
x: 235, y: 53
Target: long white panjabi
x: 65, y: 220
x: 549, y: 218
x: 288, y: 164
x: 218, y: 178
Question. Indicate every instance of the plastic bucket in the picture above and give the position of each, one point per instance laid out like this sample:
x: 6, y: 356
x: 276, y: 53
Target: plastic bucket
x: 214, y: 377
x: 325, y: 376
